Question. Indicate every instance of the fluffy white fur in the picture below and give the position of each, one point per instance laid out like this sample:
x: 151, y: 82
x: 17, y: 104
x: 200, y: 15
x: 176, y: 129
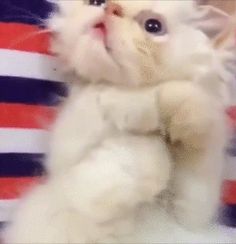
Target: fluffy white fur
x: 137, y: 151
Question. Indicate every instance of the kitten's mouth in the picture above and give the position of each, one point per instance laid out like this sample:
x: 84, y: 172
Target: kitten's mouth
x: 100, y: 30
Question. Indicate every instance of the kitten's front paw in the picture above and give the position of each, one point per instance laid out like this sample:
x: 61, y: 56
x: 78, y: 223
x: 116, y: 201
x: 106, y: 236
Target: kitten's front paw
x: 187, y: 114
x: 191, y: 125
x: 131, y: 111
x: 136, y: 121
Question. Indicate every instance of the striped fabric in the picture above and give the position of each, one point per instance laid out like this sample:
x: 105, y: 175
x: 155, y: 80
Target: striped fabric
x: 30, y: 87
x: 229, y: 190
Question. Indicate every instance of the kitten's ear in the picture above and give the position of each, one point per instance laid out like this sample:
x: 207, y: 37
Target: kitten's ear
x: 211, y: 20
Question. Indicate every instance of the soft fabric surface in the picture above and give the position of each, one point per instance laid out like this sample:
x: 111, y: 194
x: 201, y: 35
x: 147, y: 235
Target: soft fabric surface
x: 30, y: 89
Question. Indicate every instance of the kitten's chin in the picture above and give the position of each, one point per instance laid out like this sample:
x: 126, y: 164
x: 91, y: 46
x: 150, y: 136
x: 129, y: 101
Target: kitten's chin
x: 93, y: 59
x: 101, y: 39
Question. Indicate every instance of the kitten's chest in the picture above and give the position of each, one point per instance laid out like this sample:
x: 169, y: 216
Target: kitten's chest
x: 121, y: 109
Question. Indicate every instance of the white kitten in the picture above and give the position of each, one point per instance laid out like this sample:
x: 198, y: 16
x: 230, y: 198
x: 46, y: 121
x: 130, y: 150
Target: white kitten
x: 144, y: 72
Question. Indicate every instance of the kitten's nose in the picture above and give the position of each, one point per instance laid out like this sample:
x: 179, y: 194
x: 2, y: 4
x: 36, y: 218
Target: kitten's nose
x: 114, y: 9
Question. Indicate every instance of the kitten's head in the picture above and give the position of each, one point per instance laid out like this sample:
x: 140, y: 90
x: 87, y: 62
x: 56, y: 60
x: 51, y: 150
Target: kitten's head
x: 130, y: 42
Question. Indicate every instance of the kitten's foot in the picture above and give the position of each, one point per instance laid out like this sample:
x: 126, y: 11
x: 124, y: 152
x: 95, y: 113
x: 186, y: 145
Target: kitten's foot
x: 189, y: 216
x: 196, y: 199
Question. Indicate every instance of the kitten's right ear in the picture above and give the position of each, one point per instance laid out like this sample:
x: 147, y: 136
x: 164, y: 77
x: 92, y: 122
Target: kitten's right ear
x: 211, y: 20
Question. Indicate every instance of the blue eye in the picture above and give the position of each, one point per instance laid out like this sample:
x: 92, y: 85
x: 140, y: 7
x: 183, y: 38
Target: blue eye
x: 153, y: 26
x: 97, y: 2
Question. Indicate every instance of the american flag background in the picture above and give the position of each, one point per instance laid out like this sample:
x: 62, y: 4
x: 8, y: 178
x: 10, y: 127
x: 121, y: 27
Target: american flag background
x: 30, y: 88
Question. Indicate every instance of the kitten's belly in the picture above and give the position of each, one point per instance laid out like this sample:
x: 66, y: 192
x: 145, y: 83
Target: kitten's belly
x: 142, y: 167
x: 145, y: 157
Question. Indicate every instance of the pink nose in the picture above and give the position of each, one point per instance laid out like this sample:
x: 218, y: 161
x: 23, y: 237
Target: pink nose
x: 114, y: 9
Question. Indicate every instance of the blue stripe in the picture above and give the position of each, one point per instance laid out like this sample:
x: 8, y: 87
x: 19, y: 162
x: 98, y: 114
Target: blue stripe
x: 2, y: 225
x: 228, y: 215
x: 25, y: 11
x: 21, y: 164
x: 31, y: 91
x: 232, y: 151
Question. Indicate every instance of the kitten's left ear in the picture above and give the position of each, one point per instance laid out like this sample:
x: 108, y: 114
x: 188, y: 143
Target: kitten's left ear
x: 211, y: 20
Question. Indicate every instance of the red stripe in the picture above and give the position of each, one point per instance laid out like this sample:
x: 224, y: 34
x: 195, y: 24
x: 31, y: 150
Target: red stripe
x: 26, y: 116
x: 229, y: 192
x: 23, y: 37
x: 12, y: 188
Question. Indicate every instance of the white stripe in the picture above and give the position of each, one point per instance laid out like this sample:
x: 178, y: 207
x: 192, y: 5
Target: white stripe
x: 23, y: 141
x: 29, y: 65
x: 7, y: 208
x: 230, y: 168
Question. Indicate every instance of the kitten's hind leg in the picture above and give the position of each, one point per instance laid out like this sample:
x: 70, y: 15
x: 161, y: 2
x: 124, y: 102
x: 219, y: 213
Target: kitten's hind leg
x: 197, y: 186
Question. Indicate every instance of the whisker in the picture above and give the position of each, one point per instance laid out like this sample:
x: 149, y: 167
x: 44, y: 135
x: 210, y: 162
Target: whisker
x: 28, y: 13
x: 25, y: 37
x: 9, y: 18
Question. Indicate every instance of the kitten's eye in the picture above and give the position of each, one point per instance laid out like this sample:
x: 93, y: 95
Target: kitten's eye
x: 153, y: 26
x: 153, y: 23
x: 97, y: 2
